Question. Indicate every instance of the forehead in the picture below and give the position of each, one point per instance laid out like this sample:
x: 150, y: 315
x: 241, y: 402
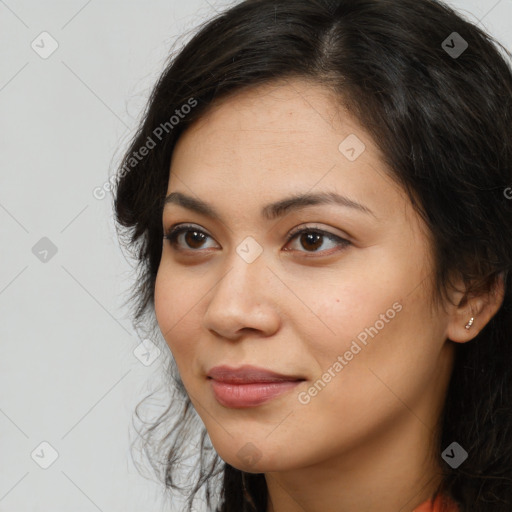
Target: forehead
x: 278, y: 113
x: 278, y: 139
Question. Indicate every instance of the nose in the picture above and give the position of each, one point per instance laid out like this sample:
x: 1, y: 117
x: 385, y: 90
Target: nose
x: 243, y: 300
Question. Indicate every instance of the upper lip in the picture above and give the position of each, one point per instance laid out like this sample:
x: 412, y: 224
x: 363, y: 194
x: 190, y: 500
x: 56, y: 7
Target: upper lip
x: 248, y: 374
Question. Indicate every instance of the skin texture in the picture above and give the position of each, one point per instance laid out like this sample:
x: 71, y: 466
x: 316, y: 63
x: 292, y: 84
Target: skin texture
x: 364, y: 442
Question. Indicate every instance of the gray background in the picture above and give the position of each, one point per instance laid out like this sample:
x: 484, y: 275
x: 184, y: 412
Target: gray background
x: 68, y: 372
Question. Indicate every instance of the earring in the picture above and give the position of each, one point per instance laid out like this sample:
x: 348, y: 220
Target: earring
x: 470, y: 323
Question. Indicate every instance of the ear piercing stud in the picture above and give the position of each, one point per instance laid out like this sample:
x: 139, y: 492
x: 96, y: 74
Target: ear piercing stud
x: 470, y: 323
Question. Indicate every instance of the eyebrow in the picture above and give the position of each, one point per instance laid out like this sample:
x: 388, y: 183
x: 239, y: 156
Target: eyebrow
x: 272, y: 210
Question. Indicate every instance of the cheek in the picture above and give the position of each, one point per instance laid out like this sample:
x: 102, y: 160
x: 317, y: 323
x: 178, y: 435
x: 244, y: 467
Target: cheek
x: 371, y: 315
x: 380, y: 351
x: 163, y: 302
x: 173, y: 306
x: 334, y: 308
x: 179, y: 302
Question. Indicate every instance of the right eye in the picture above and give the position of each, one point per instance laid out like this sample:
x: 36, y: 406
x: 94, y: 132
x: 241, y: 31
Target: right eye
x: 193, y: 237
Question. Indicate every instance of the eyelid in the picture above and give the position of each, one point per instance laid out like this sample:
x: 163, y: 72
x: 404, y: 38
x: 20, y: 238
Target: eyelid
x: 181, y: 226
x: 316, y: 228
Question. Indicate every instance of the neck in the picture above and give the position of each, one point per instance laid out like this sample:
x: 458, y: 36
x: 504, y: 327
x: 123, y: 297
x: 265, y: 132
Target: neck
x: 390, y: 474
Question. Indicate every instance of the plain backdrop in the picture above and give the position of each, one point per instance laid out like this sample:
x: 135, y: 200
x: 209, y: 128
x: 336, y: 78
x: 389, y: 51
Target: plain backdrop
x: 74, y: 77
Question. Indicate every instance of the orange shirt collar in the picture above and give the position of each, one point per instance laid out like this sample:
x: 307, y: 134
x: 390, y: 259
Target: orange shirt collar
x: 429, y: 506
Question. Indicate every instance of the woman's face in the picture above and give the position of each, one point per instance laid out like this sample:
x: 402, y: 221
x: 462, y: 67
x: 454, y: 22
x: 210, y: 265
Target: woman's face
x: 344, y: 306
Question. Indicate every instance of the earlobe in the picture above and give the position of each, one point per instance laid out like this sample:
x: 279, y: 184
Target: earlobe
x: 472, y: 314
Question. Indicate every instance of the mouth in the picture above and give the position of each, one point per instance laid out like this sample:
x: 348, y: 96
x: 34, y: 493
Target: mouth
x: 249, y: 386
x: 248, y: 374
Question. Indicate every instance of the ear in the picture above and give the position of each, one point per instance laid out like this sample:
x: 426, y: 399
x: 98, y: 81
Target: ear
x: 481, y: 307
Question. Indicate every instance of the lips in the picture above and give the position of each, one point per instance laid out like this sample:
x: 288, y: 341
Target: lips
x: 248, y: 374
x: 249, y: 386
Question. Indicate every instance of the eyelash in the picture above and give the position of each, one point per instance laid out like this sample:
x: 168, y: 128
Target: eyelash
x: 173, y: 232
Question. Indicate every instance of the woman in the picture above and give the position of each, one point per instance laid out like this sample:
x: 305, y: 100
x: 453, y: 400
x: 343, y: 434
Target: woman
x: 317, y: 197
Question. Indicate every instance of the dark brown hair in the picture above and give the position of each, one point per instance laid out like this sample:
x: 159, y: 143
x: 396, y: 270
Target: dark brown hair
x: 444, y: 125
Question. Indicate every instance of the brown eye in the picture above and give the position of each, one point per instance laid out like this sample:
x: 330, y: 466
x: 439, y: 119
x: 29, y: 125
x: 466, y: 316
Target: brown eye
x: 313, y: 239
x: 187, y: 237
x: 194, y: 239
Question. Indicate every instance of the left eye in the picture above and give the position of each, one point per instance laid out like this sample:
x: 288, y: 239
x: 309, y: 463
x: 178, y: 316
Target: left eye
x: 315, y: 238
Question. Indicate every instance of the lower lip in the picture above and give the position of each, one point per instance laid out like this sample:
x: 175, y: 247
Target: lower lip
x: 249, y: 395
